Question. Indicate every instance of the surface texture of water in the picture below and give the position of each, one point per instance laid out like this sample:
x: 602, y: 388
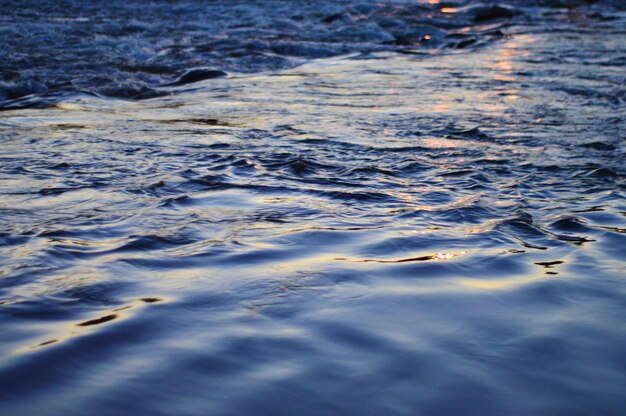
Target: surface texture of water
x: 400, y: 230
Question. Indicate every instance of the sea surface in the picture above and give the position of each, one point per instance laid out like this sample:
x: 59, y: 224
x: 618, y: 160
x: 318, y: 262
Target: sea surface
x: 312, y: 208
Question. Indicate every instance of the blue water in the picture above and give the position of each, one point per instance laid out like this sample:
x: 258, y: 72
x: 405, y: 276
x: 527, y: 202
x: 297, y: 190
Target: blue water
x: 346, y: 219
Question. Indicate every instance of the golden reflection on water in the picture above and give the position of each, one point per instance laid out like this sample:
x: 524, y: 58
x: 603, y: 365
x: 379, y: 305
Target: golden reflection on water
x: 485, y: 285
x: 464, y: 285
x: 68, y: 330
x: 440, y: 143
x: 441, y: 107
x: 504, y: 64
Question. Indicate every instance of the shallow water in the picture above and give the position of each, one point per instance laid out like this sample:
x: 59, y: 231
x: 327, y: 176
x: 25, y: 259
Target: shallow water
x: 419, y: 232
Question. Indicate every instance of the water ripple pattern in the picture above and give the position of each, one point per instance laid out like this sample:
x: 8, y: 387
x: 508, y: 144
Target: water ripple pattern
x: 388, y: 232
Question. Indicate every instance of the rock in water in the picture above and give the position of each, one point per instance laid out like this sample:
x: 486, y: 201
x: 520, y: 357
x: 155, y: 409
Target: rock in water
x: 483, y: 13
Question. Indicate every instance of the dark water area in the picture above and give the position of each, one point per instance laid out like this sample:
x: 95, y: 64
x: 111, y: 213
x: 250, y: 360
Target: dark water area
x: 316, y: 208
x: 141, y: 49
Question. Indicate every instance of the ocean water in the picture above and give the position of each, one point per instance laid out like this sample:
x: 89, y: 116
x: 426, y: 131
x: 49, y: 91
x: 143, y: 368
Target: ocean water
x: 313, y: 208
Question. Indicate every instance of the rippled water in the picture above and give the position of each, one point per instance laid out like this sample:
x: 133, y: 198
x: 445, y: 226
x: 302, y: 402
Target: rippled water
x: 413, y: 231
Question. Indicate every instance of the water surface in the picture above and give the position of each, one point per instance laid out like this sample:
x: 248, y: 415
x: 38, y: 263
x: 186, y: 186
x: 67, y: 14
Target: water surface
x: 388, y: 231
